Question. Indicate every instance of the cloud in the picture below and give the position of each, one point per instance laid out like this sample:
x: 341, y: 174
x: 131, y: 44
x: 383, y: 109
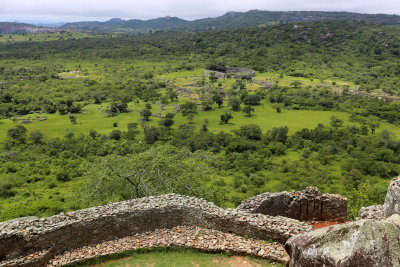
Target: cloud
x: 72, y: 10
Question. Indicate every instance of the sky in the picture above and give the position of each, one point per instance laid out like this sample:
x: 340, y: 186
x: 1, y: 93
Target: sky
x: 79, y: 10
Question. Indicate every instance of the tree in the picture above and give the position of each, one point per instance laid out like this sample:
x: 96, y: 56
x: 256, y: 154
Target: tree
x: 132, y: 126
x: 148, y: 106
x: 248, y: 109
x: 93, y: 134
x: 207, y: 104
x: 213, y: 78
x: 151, y: 135
x: 226, y: 117
x: 115, y: 134
x: 249, y: 131
x: 373, y: 125
x: 145, y: 113
x: 159, y: 170
x: 188, y: 107
x: 336, y: 122
x: 296, y: 84
x: 278, y: 134
x: 204, y: 126
x: 17, y: 133
x: 36, y: 137
x: 168, y: 121
x: 217, y: 99
x: 190, y: 117
x: 253, y: 100
x: 72, y: 118
x: 234, y: 103
x: 172, y: 95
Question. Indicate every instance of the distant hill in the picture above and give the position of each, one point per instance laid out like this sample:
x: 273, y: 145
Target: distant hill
x: 252, y: 18
x: 21, y: 28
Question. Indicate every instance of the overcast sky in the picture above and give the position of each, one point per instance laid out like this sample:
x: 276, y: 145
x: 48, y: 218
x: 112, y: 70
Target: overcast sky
x: 78, y: 10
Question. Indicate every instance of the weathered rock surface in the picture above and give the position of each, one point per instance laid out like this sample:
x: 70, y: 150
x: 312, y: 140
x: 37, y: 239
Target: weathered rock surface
x: 392, y: 201
x: 307, y: 205
x: 360, y: 243
x: 372, y: 212
x: 42, y: 239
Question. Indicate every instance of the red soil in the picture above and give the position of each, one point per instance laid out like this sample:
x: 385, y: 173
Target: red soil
x: 318, y: 225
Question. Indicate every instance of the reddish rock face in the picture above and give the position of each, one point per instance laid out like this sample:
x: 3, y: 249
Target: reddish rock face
x: 307, y: 205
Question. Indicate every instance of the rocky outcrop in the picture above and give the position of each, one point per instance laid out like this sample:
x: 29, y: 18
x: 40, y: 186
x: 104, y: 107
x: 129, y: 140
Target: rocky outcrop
x: 307, y: 205
x: 44, y: 238
x: 361, y: 243
x: 392, y: 201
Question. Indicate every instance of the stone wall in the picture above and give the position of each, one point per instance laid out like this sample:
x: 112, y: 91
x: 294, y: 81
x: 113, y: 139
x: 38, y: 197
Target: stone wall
x: 219, y: 75
x: 307, y: 205
x: 237, y: 70
x: 51, y: 236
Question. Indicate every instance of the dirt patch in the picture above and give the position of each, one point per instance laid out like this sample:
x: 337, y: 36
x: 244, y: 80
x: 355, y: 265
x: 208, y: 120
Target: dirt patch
x: 319, y: 225
x: 237, y: 261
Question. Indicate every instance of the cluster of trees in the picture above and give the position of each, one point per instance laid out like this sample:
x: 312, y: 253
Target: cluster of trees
x: 360, y: 107
x: 346, y: 160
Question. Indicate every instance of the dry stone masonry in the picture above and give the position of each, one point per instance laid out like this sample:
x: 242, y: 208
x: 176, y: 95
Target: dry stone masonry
x: 235, y: 72
x: 373, y: 240
x: 181, y: 236
x: 307, y: 205
x: 33, y: 241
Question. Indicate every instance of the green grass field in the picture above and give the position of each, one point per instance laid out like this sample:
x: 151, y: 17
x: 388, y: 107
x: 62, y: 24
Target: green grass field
x: 182, y: 258
x: 94, y: 117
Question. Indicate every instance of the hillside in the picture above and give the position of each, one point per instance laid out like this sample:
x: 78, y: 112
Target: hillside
x: 253, y: 18
x: 23, y: 28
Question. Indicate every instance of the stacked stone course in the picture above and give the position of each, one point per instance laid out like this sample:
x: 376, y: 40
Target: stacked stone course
x: 307, y: 205
x: 34, y: 241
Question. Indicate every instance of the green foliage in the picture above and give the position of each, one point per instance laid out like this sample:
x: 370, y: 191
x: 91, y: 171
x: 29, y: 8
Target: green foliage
x: 226, y: 117
x: 248, y: 110
x: 156, y: 171
x: 17, y: 133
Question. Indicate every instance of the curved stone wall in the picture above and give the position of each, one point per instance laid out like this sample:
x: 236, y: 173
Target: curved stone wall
x: 307, y: 205
x: 236, y: 70
x: 51, y: 236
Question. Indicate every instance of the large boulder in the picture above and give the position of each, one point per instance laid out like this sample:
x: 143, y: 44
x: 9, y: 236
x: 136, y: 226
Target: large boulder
x: 392, y: 201
x: 360, y: 243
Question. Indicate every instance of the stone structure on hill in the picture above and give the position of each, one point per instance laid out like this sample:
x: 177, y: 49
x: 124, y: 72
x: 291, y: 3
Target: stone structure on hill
x: 218, y: 74
x: 47, y: 237
x: 390, y: 207
x: 235, y: 72
x: 307, y: 205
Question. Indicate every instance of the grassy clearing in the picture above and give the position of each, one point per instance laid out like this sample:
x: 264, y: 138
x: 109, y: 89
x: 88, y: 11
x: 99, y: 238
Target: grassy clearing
x: 94, y: 117
x: 178, y: 257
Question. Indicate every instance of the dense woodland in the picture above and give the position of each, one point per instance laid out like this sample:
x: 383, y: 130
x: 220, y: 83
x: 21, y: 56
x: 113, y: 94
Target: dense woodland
x: 43, y: 174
